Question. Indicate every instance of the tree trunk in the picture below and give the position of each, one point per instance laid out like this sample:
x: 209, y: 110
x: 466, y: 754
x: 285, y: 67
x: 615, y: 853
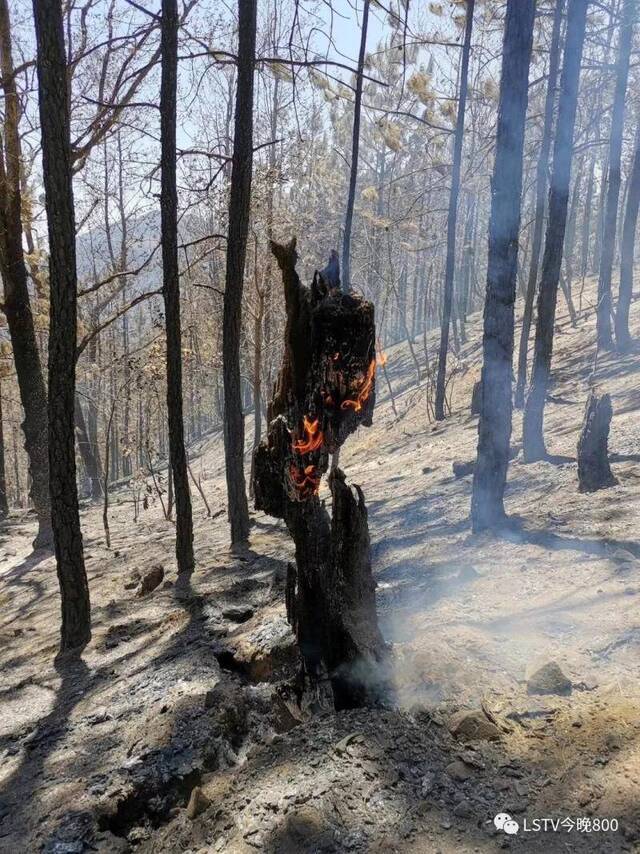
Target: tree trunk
x: 532, y: 425
x: 594, y: 471
x: 627, y: 251
x: 452, y: 219
x: 91, y: 463
x: 53, y: 96
x: 325, y: 390
x: 494, y: 427
x: 604, y: 334
x: 17, y: 306
x: 171, y: 286
x: 239, y: 210
x: 4, y: 502
x: 542, y: 171
x: 355, y: 150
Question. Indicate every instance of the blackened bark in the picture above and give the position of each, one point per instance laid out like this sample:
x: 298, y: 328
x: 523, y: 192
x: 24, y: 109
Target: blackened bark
x: 627, y: 251
x: 542, y: 170
x: 171, y: 285
x: 355, y: 150
x: 452, y: 219
x: 604, y: 333
x: 53, y: 96
x: 4, y: 501
x: 594, y: 471
x: 325, y: 390
x: 17, y: 306
x: 239, y: 209
x: 494, y: 428
x: 532, y: 425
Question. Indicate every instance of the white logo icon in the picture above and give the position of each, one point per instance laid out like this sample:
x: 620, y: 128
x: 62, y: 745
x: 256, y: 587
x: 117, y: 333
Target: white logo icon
x: 503, y: 821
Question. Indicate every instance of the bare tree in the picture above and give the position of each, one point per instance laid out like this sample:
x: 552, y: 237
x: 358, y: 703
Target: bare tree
x: 53, y: 96
x: 171, y: 285
x: 542, y: 171
x: 532, y: 425
x: 494, y: 428
x: 627, y: 250
x: 17, y: 305
x: 452, y: 218
x: 239, y: 211
x: 605, y: 337
x: 355, y: 151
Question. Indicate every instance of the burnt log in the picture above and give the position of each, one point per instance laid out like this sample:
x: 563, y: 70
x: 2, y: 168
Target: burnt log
x: 594, y: 471
x: 325, y: 389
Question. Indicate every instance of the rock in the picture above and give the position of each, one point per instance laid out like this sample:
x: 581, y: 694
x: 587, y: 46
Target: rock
x: 133, y: 580
x: 266, y: 648
x: 463, y: 810
x: 458, y: 771
x: 473, y: 725
x: 198, y: 803
x: 548, y: 679
x: 151, y: 579
x: 238, y: 613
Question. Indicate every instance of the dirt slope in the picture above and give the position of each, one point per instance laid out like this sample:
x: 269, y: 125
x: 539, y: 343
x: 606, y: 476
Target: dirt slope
x: 187, y: 687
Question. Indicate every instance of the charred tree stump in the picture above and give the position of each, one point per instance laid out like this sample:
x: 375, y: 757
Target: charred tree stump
x: 594, y: 471
x: 325, y: 389
x: 476, y: 398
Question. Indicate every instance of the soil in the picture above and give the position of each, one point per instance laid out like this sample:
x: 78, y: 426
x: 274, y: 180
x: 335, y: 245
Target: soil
x: 189, y: 685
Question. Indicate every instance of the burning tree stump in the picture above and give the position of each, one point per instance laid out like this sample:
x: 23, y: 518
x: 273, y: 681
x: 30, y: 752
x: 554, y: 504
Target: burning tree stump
x: 324, y: 391
x: 594, y: 471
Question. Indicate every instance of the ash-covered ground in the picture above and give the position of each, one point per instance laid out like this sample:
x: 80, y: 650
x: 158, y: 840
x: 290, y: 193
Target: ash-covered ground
x: 179, y: 730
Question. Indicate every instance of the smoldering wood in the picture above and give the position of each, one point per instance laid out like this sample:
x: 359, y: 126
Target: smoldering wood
x: 594, y: 471
x: 325, y: 389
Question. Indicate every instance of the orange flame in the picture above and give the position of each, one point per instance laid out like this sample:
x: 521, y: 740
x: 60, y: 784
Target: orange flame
x: 313, y: 437
x: 306, y: 481
x: 382, y: 356
x: 363, y: 392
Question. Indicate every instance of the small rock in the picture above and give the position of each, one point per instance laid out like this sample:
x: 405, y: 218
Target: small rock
x: 198, y: 803
x: 151, y: 580
x: 549, y: 679
x: 458, y: 771
x: 238, y: 613
x: 427, y: 784
x: 463, y: 810
x: 473, y: 725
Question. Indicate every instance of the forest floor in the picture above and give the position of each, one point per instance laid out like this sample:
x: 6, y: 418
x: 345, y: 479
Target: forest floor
x: 187, y: 686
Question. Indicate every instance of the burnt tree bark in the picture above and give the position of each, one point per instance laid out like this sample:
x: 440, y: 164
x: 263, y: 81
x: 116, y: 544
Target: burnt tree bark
x: 17, y: 305
x: 494, y: 426
x: 452, y: 219
x: 239, y: 208
x: 542, y: 170
x: 627, y: 251
x: 324, y: 391
x: 355, y: 150
x: 53, y: 97
x: 604, y: 334
x: 532, y: 424
x: 171, y: 285
x: 594, y: 471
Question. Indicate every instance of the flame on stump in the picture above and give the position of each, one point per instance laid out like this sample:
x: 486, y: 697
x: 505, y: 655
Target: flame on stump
x: 324, y: 391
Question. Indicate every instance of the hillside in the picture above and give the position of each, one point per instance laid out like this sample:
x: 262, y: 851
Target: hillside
x: 187, y: 686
